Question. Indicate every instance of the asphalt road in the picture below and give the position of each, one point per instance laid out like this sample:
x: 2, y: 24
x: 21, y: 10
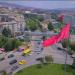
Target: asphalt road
x: 31, y: 59
x: 59, y: 56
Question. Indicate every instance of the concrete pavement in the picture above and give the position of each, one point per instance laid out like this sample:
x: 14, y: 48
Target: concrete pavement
x: 58, y: 55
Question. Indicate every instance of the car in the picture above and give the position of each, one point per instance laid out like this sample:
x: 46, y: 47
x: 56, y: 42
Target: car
x: 38, y: 52
x: 38, y: 42
x: 20, y: 37
x: 42, y: 48
x: 26, y: 52
x: 12, y: 62
x: 59, y: 48
x: 40, y: 58
x: 1, y: 59
x: 22, y: 62
x: 30, y: 54
x: 14, y: 68
x: 37, y: 47
x: 10, y: 56
x: 20, y: 50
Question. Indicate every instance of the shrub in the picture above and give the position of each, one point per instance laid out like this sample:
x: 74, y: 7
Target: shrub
x: 73, y: 65
x: 64, y: 43
x: 49, y: 59
x: 50, y: 26
x: 6, y: 32
x: 72, y: 46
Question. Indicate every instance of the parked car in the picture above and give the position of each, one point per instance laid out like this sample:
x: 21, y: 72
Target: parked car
x: 30, y: 54
x: 37, y: 47
x: 22, y: 62
x: 10, y: 56
x: 59, y: 48
x: 42, y: 48
x: 38, y: 42
x: 20, y: 37
x: 38, y: 52
x: 20, y: 49
x: 12, y: 62
x: 26, y: 52
x: 1, y: 59
x: 14, y: 68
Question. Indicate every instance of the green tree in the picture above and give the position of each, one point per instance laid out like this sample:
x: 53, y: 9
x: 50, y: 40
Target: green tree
x: 32, y: 24
x: 39, y: 26
x: 72, y: 46
x: 50, y: 26
x: 3, y: 40
x: 66, y: 43
x: 11, y: 44
x: 6, y: 32
x: 73, y: 65
x: 40, y: 18
x: 54, y: 16
x: 8, y: 45
x: 16, y: 43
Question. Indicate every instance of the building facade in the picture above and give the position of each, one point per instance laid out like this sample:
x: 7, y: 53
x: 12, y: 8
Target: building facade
x: 15, y: 23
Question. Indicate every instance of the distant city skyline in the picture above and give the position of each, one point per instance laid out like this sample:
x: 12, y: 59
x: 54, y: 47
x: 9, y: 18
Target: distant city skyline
x: 45, y: 4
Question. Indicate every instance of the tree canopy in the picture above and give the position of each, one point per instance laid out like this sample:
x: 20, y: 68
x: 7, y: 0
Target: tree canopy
x: 32, y: 24
x: 54, y: 16
x: 50, y: 26
x: 6, y: 32
x: 8, y: 43
x: 40, y: 18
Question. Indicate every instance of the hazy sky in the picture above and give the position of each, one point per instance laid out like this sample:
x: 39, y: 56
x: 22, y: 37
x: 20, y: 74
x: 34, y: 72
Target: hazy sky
x: 46, y: 4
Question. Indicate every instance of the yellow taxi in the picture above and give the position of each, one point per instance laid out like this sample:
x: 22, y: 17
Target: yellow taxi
x: 22, y: 62
x: 26, y: 51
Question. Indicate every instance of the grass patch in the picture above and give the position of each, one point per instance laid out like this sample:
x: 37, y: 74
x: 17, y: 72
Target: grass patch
x: 50, y: 69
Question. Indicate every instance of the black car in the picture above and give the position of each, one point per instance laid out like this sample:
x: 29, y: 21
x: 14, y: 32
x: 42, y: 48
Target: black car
x: 12, y: 62
x: 38, y: 52
x: 41, y: 48
x: 14, y: 68
x: 1, y: 59
x: 10, y: 56
x: 59, y: 48
x: 38, y: 42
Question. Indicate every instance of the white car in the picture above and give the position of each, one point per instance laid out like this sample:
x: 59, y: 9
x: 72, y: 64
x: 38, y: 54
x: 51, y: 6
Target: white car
x: 20, y: 37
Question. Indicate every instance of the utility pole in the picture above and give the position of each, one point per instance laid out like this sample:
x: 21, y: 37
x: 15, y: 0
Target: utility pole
x: 68, y: 48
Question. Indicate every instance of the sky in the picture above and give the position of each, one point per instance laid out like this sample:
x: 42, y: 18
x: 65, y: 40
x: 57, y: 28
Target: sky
x: 46, y: 4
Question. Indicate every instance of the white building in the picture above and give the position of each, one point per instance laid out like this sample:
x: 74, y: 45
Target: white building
x: 16, y: 25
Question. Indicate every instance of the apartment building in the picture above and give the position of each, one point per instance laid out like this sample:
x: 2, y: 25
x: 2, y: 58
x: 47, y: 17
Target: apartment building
x: 15, y: 22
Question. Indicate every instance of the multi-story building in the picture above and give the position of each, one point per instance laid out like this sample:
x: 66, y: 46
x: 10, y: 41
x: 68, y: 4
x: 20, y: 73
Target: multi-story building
x: 14, y: 22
